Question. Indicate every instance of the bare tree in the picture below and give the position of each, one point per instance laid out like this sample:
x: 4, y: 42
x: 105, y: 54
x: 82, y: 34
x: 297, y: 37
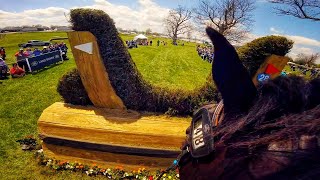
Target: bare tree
x: 303, y: 9
x: 232, y: 18
x: 148, y: 31
x: 177, y: 23
x: 309, y: 60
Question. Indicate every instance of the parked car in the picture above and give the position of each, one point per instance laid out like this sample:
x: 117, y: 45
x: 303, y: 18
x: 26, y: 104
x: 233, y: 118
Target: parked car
x: 34, y: 43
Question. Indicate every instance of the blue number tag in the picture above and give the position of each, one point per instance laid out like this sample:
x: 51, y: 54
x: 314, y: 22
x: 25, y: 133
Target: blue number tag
x: 263, y: 77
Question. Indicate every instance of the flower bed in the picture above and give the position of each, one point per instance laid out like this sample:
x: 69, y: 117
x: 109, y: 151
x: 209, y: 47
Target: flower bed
x: 94, y: 170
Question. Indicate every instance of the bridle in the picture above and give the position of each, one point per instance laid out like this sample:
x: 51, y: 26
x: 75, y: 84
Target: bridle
x: 207, y: 118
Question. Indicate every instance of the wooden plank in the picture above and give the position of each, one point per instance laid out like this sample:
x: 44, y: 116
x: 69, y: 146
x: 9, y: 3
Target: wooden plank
x: 277, y: 61
x: 110, y: 127
x: 92, y: 71
x: 105, y: 159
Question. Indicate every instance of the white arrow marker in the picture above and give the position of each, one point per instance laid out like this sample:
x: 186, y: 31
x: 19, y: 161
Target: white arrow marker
x: 87, y: 47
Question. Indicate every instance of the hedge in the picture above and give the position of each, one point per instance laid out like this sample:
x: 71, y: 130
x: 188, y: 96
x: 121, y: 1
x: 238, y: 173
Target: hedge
x: 254, y: 53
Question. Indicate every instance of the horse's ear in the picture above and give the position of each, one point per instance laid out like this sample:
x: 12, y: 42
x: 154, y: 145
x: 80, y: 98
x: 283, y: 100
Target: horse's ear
x: 230, y: 76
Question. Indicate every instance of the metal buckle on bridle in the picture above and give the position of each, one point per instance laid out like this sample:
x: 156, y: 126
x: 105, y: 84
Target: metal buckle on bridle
x: 175, y: 163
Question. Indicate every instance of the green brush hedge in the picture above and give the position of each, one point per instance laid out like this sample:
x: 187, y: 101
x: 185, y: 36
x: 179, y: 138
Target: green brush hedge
x: 254, y: 53
x: 128, y: 83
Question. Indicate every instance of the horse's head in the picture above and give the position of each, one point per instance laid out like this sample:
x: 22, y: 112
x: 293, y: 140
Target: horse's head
x: 268, y: 131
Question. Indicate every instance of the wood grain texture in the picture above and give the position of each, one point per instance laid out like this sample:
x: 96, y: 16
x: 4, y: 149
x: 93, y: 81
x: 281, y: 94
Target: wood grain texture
x: 277, y: 61
x: 112, y: 127
x: 105, y: 159
x: 93, y: 73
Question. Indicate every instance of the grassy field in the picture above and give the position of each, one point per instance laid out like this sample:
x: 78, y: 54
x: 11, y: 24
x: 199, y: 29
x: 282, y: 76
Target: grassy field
x: 23, y: 100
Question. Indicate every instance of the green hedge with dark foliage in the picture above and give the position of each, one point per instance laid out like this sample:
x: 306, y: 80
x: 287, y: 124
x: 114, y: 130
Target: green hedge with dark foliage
x: 128, y: 83
x: 254, y: 53
x: 70, y: 87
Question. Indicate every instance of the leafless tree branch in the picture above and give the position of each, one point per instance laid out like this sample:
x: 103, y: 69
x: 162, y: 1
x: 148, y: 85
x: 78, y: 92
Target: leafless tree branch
x: 303, y: 9
x: 177, y: 22
x: 307, y: 59
x: 232, y: 18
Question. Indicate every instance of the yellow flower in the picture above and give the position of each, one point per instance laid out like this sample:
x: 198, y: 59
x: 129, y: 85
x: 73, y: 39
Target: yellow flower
x: 169, y: 177
x: 164, y: 175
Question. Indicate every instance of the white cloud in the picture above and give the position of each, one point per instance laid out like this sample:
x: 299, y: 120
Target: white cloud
x: 300, y: 40
x: 148, y: 14
x: 46, y: 16
x: 274, y: 30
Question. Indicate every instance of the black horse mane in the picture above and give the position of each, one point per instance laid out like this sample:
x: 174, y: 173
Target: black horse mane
x: 285, y: 112
x: 278, y: 105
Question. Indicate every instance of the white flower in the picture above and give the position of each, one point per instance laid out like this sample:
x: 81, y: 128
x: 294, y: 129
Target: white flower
x: 87, y: 173
x: 40, y: 151
x: 177, y: 175
x: 108, y: 170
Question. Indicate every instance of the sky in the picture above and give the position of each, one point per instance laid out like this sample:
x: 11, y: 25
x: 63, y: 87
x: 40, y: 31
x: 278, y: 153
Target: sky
x: 144, y: 14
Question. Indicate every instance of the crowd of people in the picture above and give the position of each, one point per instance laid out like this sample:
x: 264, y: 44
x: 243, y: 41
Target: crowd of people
x: 206, y: 53
x: 134, y: 44
x: 314, y: 72
x: 20, y: 67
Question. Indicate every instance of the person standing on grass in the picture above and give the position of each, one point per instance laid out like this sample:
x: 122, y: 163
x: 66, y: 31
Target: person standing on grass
x: 3, y: 69
x: 16, y: 71
x: 3, y: 53
x: 21, y: 59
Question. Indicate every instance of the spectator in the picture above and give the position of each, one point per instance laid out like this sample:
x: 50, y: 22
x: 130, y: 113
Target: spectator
x: 150, y: 42
x: 3, y: 53
x: 206, y: 53
x: 21, y: 59
x: 3, y: 69
x: 45, y: 50
x: 16, y: 71
x: 36, y: 52
x: 28, y: 52
x: 64, y: 50
x: 158, y: 43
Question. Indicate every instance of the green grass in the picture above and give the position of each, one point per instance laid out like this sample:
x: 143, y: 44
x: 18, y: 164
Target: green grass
x: 23, y: 100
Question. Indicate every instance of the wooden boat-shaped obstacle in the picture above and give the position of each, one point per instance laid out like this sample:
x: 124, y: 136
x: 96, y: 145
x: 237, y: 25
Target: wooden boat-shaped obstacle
x: 107, y: 133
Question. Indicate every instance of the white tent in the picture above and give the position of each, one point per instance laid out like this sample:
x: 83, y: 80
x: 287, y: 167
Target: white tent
x: 140, y: 39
